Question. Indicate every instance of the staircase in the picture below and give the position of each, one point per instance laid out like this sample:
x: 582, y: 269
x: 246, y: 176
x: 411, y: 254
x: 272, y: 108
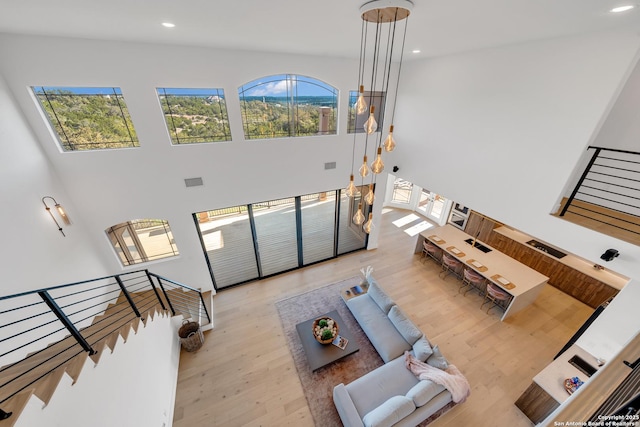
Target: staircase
x: 136, y: 301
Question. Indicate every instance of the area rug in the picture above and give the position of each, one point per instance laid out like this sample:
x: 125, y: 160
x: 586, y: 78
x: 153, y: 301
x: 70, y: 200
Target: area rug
x: 318, y: 385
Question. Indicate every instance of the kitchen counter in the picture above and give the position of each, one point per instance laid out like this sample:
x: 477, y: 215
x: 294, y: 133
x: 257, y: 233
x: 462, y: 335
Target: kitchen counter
x: 605, y: 276
x: 551, y: 379
x: 515, y: 278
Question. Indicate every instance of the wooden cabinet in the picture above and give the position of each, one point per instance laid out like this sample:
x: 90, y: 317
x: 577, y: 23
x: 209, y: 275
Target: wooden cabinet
x: 536, y: 403
x: 581, y: 286
x: 480, y: 225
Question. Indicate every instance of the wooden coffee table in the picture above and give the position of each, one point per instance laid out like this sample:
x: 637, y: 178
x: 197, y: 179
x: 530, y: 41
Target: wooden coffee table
x: 320, y: 355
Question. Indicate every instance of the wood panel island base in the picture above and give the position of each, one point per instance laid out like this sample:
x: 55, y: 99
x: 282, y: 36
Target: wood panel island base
x: 521, y: 282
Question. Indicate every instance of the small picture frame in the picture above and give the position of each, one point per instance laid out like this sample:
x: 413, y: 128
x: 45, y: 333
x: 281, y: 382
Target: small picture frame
x: 340, y: 342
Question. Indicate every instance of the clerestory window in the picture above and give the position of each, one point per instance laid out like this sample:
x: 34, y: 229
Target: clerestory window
x: 142, y: 240
x: 356, y: 121
x: 195, y: 115
x: 287, y: 105
x: 87, y: 118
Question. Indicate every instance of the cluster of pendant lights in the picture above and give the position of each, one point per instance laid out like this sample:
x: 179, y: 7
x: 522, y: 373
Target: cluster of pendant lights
x: 384, y: 16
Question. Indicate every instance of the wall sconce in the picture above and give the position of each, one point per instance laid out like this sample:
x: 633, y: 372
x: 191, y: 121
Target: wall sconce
x: 61, y: 212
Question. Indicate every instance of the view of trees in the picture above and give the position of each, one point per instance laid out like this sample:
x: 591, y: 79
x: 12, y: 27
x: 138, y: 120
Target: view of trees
x: 271, y: 107
x: 200, y: 116
x: 273, y: 119
x: 287, y: 105
x: 88, y: 118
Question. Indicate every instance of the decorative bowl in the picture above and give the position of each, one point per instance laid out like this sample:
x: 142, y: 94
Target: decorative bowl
x: 324, y: 323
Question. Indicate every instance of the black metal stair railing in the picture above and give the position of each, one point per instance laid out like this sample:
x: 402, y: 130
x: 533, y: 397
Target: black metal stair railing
x: 609, y: 189
x: 44, y: 329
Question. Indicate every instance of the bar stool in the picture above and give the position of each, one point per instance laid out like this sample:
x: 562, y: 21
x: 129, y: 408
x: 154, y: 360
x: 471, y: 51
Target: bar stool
x: 450, y: 265
x: 431, y: 250
x: 472, y: 279
x: 496, y: 296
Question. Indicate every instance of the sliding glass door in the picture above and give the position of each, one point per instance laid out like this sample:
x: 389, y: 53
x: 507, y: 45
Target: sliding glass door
x: 318, y: 214
x: 276, y: 236
x: 228, y: 245
x: 244, y: 243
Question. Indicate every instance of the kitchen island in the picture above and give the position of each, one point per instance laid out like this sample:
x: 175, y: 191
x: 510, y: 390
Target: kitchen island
x: 521, y: 282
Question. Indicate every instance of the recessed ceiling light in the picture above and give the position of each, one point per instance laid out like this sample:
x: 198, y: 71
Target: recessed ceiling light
x: 622, y: 8
x: 415, y: 51
x: 168, y: 25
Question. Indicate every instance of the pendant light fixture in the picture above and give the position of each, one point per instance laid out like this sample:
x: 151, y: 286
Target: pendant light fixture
x: 380, y: 60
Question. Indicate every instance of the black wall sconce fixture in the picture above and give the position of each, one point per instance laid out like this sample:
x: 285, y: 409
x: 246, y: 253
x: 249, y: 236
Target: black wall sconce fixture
x: 61, y: 212
x: 609, y: 254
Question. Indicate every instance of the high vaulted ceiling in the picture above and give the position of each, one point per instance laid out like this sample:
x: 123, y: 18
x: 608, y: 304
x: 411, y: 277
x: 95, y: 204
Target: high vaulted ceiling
x: 327, y: 27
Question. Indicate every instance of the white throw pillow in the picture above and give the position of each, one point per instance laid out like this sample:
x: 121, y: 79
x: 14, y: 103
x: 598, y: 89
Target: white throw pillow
x: 407, y: 329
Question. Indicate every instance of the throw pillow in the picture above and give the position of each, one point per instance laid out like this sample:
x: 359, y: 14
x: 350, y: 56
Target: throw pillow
x: 381, y: 299
x: 437, y: 360
x: 407, y: 329
x: 422, y: 349
x: 390, y: 412
x: 423, y: 392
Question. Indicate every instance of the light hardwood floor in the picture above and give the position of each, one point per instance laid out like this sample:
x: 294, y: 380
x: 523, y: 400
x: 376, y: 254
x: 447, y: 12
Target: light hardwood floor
x: 244, y: 374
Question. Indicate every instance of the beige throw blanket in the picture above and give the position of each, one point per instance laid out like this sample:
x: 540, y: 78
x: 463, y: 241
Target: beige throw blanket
x: 451, y: 378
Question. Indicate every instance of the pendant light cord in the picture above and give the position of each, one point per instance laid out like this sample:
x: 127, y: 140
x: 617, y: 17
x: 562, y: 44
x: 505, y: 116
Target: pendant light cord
x: 404, y: 37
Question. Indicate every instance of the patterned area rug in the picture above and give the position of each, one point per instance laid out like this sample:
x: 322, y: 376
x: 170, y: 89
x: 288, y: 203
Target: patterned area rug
x: 318, y: 385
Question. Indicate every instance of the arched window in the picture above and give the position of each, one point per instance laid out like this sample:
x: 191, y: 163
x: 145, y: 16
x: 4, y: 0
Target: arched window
x: 287, y: 105
x: 142, y: 240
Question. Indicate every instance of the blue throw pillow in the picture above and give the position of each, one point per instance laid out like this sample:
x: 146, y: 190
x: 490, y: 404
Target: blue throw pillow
x: 390, y: 412
x: 379, y: 297
x: 424, y: 391
x: 437, y: 360
x: 407, y: 329
x: 422, y: 349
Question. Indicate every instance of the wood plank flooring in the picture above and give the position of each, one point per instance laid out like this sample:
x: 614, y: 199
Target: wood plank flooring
x: 244, y: 374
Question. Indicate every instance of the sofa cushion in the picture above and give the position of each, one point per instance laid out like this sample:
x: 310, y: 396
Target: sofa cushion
x: 374, y: 388
x: 376, y: 324
x: 424, y: 391
x: 422, y: 349
x: 379, y: 296
x: 407, y: 329
x: 390, y: 412
x: 437, y: 360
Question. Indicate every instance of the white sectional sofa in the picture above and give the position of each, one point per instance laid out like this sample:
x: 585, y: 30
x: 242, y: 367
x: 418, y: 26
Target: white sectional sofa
x: 390, y: 395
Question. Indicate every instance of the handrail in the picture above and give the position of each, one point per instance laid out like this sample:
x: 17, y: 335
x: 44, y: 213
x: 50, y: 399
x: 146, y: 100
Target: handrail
x: 609, y: 188
x: 43, y: 329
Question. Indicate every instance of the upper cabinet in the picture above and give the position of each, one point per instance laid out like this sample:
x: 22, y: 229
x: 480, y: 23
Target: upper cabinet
x: 480, y: 226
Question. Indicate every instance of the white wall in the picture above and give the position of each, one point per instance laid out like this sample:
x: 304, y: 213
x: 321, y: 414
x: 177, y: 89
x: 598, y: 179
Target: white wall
x: 109, y: 187
x: 138, y: 394
x: 34, y: 254
x: 502, y: 129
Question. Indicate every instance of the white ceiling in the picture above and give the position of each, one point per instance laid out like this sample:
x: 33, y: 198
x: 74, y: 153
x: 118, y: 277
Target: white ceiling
x: 327, y: 27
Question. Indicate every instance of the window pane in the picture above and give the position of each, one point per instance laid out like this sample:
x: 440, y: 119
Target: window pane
x: 195, y: 115
x: 275, y: 223
x: 356, y: 122
x: 350, y: 235
x: 226, y: 234
x: 287, y: 106
x: 87, y: 118
x: 318, y: 226
x: 401, y: 191
x: 142, y: 240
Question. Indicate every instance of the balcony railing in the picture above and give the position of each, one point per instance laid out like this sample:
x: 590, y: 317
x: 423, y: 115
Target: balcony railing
x: 607, y: 195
